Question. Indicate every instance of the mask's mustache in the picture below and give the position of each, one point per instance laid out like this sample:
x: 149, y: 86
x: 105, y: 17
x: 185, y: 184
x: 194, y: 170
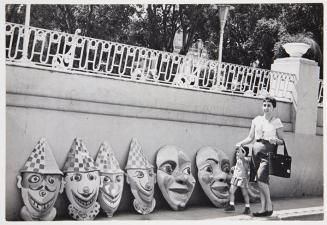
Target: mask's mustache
x: 41, y: 187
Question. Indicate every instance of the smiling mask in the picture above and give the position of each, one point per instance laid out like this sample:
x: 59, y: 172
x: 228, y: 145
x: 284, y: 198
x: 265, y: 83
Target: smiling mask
x: 213, y: 169
x: 112, y: 180
x: 141, y: 177
x: 40, y: 181
x: 174, y: 176
x: 82, y: 182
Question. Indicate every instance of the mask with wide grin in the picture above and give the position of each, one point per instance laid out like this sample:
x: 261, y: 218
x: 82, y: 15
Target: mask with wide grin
x: 84, y: 200
x: 142, y: 184
x: 38, y: 206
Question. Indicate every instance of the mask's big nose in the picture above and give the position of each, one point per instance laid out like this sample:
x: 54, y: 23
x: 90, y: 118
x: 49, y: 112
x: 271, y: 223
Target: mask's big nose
x: 86, y: 189
x: 148, y: 186
x: 42, y: 193
x: 113, y: 192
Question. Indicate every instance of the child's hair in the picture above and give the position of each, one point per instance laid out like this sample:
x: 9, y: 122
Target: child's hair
x: 246, y: 149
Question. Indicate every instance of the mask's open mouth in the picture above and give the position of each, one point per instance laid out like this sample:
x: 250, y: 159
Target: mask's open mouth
x: 109, y: 201
x: 41, y: 207
x: 84, y: 203
x: 220, y: 190
x: 179, y: 192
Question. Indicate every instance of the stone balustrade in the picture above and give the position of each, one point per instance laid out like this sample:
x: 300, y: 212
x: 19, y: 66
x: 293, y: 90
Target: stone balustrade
x: 73, y: 53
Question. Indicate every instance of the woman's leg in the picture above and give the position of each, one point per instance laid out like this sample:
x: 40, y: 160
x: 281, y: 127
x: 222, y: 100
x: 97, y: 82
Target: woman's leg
x: 266, y: 192
x: 245, y: 195
x: 262, y: 200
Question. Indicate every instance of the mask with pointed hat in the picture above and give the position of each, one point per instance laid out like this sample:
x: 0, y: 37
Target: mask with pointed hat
x: 141, y: 178
x: 40, y: 181
x: 112, y: 179
x: 175, y: 179
x: 82, y: 182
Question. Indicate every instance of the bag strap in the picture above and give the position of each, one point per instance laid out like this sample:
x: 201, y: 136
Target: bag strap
x: 285, y: 149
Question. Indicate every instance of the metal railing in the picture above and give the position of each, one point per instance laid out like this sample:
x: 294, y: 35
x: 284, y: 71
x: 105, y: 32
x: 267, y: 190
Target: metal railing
x: 73, y: 53
x: 321, y: 93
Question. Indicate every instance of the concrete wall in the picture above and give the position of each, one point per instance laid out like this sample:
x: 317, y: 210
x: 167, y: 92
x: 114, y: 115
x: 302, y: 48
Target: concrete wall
x: 61, y: 106
x: 320, y: 121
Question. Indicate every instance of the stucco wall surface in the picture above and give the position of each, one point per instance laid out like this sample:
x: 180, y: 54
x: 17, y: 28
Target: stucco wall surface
x: 61, y: 106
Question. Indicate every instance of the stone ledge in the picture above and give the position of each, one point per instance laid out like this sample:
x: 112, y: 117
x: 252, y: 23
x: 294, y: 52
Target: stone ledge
x: 58, y: 104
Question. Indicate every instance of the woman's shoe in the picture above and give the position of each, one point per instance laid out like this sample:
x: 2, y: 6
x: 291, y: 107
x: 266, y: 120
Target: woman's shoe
x: 269, y: 213
x: 259, y: 214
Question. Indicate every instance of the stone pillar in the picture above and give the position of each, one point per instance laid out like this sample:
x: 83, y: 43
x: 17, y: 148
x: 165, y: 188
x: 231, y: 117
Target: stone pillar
x: 307, y: 74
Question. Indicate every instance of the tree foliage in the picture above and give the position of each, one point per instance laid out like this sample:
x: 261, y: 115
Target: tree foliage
x: 254, y: 33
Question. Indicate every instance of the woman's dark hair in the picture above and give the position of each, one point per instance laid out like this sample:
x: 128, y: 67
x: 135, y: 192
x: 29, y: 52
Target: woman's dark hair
x: 271, y: 100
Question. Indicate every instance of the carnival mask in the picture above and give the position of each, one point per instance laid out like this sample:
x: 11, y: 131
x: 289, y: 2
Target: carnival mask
x: 142, y: 184
x: 112, y: 180
x: 82, y: 189
x: 213, y: 169
x: 141, y: 178
x: 174, y: 176
x: 82, y: 182
x: 40, y: 182
x: 40, y: 192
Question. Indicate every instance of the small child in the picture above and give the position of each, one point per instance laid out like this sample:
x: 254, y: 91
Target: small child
x: 240, y: 179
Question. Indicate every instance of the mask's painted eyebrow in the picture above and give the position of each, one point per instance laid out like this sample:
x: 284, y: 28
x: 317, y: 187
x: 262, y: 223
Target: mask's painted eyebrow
x: 208, y: 161
x: 211, y: 159
x: 170, y: 162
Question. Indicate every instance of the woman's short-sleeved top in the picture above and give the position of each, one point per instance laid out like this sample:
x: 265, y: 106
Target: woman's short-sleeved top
x: 264, y: 129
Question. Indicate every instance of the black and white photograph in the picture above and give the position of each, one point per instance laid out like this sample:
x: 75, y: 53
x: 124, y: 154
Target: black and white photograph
x: 207, y: 112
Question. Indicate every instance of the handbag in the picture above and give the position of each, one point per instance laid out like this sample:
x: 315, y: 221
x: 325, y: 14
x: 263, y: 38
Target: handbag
x: 280, y: 165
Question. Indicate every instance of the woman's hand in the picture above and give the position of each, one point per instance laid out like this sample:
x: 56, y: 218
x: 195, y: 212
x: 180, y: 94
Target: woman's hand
x: 276, y: 141
x: 273, y: 141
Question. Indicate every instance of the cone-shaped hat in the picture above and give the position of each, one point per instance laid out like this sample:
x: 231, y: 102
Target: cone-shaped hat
x: 79, y: 159
x: 106, y: 160
x: 136, y: 158
x: 41, y: 160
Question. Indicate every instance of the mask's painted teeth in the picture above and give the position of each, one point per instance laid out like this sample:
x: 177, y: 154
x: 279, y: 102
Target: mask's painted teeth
x: 41, y: 207
x: 112, y: 203
x: 84, y: 203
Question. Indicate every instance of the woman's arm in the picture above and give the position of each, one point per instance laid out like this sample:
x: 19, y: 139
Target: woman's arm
x: 280, y: 137
x: 248, y: 139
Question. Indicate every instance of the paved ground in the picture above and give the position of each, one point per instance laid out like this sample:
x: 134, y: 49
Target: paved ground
x: 308, y: 208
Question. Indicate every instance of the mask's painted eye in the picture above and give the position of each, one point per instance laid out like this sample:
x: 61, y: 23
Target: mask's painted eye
x: 209, y: 169
x: 91, y: 176
x: 187, y: 170
x: 77, y: 177
x: 106, y: 179
x: 167, y: 168
x: 51, y: 180
x: 118, y: 178
x: 139, y: 174
x: 34, y: 179
x: 150, y: 173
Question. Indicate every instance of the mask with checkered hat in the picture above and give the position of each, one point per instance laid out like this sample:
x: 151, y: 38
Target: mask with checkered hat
x: 41, y: 160
x: 79, y: 159
x: 136, y: 158
x: 106, y: 160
